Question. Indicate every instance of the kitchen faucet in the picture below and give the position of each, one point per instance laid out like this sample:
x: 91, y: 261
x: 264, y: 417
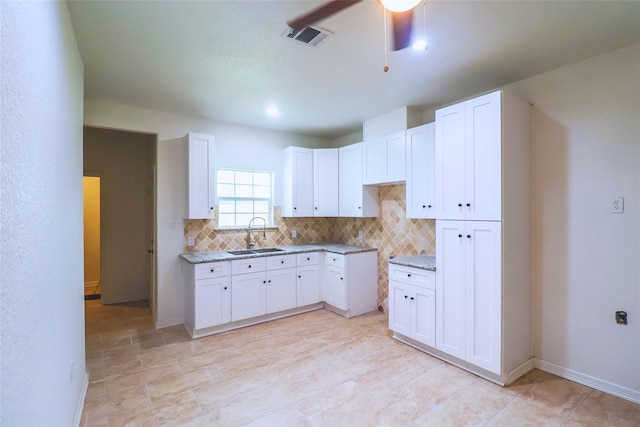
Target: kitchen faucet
x: 251, y: 243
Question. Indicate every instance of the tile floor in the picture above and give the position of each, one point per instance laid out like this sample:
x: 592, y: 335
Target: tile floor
x: 315, y: 369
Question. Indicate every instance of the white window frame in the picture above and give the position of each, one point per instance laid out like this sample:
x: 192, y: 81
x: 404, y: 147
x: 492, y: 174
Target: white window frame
x: 222, y: 210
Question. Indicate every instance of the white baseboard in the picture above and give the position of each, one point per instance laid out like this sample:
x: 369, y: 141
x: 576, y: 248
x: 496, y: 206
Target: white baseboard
x: 516, y: 373
x: 82, y: 397
x: 589, y: 381
x: 165, y: 323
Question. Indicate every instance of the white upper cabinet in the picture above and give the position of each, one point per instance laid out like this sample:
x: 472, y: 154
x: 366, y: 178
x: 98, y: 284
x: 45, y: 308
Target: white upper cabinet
x: 297, y: 197
x: 201, y: 183
x: 325, y: 182
x: 356, y: 199
x: 383, y: 159
x: 420, y: 161
x: 468, y: 159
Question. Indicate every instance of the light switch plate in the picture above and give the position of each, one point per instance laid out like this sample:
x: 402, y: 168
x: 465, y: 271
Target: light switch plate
x: 177, y: 223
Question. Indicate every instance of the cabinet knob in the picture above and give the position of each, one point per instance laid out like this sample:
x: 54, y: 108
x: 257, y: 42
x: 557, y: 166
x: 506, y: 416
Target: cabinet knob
x: 299, y: 277
x: 269, y: 281
x: 308, y: 259
x: 430, y: 206
x: 282, y: 262
x: 249, y: 266
x: 212, y: 270
x: 412, y: 298
x: 316, y: 208
x: 468, y: 236
x: 468, y: 204
x: 211, y: 208
x: 342, y: 278
x: 264, y: 281
x: 359, y: 207
x: 225, y: 288
x: 459, y: 205
x: 424, y: 206
x: 406, y: 296
x: 294, y: 208
x: 408, y: 275
x: 459, y: 235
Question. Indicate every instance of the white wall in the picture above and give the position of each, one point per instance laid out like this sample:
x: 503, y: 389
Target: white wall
x: 586, y: 138
x: 236, y: 146
x: 43, y: 371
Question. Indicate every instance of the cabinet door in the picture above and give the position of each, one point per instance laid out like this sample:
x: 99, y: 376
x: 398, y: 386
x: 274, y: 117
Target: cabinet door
x: 281, y: 290
x: 423, y: 320
x: 201, y: 176
x: 450, y: 287
x: 212, y: 302
x: 420, y: 186
x: 483, y: 294
x: 351, y: 188
x: 383, y: 159
x: 297, y: 198
x: 400, y: 308
x: 450, y: 162
x: 325, y: 182
x: 308, y: 290
x: 334, y: 288
x: 249, y: 297
x: 483, y: 158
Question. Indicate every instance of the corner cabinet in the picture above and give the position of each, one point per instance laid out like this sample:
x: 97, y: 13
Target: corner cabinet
x: 297, y: 195
x: 201, y: 175
x: 484, y: 236
x: 383, y: 159
x: 420, y: 160
x: 356, y: 199
x: 325, y: 182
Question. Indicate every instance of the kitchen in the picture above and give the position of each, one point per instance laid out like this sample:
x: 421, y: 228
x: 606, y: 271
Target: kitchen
x: 585, y: 151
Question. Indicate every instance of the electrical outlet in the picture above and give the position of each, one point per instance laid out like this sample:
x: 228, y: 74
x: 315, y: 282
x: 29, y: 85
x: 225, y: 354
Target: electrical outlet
x: 616, y: 205
x: 191, y: 240
x: 294, y: 233
x: 360, y: 235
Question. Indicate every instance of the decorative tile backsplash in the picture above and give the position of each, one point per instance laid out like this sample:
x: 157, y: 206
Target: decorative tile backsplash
x: 391, y: 232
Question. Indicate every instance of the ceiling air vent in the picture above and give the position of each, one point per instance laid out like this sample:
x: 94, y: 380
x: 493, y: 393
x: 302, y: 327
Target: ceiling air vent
x: 311, y: 36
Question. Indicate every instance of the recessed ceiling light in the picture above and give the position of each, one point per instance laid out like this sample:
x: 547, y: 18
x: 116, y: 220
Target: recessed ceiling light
x: 273, y: 111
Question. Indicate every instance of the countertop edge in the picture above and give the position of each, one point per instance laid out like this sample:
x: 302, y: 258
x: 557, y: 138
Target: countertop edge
x: 424, y: 262
x: 219, y: 256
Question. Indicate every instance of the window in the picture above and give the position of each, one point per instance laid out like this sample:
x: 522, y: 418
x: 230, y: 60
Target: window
x: 243, y: 195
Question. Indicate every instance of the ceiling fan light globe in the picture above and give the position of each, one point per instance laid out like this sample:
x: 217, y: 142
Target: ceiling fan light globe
x: 400, y: 5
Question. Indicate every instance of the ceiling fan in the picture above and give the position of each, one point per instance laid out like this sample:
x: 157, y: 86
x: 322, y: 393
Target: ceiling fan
x: 401, y: 17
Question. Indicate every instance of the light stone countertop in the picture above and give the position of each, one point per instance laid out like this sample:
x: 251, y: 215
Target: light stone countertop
x: 425, y: 262
x: 214, y: 256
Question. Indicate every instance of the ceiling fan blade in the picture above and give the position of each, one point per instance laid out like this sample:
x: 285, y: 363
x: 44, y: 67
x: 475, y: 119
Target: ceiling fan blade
x: 402, y: 23
x: 321, y: 12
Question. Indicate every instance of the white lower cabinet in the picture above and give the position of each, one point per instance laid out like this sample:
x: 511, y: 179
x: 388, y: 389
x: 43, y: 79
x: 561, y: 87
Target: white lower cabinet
x: 208, y: 296
x: 308, y: 284
x: 225, y: 295
x: 350, y: 282
x: 412, y: 303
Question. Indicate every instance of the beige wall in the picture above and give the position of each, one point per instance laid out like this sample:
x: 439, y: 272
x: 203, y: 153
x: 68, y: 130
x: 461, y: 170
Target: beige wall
x: 91, y: 186
x: 586, y: 150
x: 122, y: 159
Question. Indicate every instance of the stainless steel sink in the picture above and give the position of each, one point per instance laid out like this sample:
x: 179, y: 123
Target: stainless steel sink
x: 255, y: 251
x: 241, y: 252
x: 267, y: 250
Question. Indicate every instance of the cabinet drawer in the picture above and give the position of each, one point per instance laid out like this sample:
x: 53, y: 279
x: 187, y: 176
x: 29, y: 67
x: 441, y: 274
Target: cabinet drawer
x: 280, y: 261
x: 309, y: 258
x: 413, y: 276
x: 212, y: 269
x: 336, y: 260
x: 250, y: 265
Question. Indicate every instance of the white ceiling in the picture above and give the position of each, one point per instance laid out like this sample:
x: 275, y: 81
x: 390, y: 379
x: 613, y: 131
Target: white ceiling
x: 227, y: 60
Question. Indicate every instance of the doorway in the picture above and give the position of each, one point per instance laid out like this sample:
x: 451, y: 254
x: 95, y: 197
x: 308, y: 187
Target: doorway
x: 92, y: 280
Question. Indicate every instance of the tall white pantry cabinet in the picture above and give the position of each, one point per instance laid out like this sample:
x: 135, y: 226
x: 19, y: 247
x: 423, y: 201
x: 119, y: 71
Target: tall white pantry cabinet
x: 484, y: 236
